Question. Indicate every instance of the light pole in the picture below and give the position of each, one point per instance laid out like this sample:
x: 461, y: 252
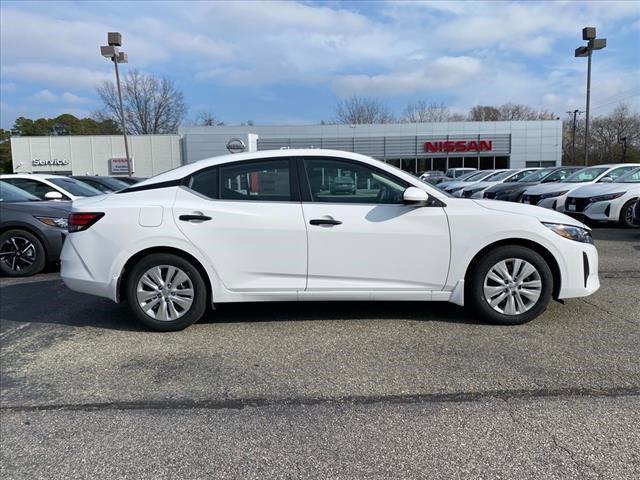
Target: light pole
x: 623, y: 141
x: 593, y: 43
x: 111, y: 51
x: 575, y: 113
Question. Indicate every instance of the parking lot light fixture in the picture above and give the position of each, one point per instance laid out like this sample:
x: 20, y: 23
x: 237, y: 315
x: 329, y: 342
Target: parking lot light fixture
x: 593, y: 43
x: 113, y: 53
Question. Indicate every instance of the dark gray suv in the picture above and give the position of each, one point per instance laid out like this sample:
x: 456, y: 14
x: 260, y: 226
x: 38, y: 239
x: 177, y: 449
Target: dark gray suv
x: 31, y: 231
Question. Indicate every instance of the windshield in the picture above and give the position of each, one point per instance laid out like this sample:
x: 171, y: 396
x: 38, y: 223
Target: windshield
x: 586, y: 175
x: 630, y: 177
x: 10, y: 193
x: 477, y: 175
x: 537, y: 175
x: 499, y: 176
x: 75, y: 187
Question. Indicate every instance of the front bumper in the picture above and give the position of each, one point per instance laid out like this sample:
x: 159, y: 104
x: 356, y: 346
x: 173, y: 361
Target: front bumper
x: 580, y: 276
x: 598, y: 211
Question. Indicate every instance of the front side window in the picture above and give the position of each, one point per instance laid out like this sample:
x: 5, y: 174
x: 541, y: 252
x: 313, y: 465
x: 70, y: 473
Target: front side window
x: 630, y: 177
x: 515, y: 177
x: 618, y: 172
x: 33, y: 187
x: 586, y: 175
x: 256, y: 181
x: 559, y: 175
x: 341, y: 181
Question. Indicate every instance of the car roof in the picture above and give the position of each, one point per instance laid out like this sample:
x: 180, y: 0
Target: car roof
x: 35, y: 176
x: 185, y: 170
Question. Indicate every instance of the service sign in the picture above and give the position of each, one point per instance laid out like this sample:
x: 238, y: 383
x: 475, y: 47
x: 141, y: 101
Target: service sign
x: 54, y: 162
x: 120, y: 165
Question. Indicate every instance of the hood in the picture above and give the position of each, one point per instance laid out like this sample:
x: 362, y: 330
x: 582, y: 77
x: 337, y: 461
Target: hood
x: 47, y: 209
x: 554, y: 187
x: 542, y: 214
x: 482, y: 184
x: 595, y: 189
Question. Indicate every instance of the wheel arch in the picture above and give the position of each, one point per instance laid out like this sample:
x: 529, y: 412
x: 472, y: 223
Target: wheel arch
x: 536, y: 247
x: 131, y: 261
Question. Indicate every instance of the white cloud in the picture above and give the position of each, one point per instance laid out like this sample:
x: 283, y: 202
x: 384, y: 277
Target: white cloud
x: 45, y: 96
x: 53, y: 74
x: 7, y: 87
x: 71, y: 98
x: 443, y: 73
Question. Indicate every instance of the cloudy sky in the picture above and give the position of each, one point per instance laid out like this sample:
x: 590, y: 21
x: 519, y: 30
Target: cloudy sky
x: 289, y: 62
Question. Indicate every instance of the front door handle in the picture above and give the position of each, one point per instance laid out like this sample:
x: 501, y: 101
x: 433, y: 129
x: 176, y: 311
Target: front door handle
x: 191, y: 218
x: 325, y: 221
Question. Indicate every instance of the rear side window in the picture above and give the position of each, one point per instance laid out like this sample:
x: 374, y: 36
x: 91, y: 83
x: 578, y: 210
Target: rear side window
x: 619, y: 171
x: 205, y: 183
x: 256, y: 181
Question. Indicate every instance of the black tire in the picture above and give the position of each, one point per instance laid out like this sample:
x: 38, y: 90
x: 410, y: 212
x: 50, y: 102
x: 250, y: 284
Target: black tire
x: 35, y: 254
x: 192, y: 314
x: 475, y: 300
x: 626, y: 214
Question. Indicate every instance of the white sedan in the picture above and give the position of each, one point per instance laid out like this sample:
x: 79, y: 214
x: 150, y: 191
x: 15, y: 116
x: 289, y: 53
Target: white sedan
x: 51, y: 187
x: 477, y: 189
x: 256, y: 227
x: 553, y: 195
x: 608, y: 202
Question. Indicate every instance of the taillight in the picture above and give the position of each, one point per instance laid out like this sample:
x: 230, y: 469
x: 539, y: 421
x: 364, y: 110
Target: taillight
x: 79, y: 221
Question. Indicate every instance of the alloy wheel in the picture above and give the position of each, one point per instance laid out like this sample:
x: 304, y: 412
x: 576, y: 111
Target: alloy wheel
x: 17, y: 253
x: 512, y: 286
x: 165, y: 293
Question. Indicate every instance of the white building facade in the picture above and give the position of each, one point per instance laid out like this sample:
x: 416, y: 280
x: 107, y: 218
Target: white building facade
x: 414, y: 147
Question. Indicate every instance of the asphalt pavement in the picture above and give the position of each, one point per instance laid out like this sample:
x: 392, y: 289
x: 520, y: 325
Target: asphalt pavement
x: 323, y: 390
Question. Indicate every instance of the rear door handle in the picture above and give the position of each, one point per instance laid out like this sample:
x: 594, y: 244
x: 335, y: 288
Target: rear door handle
x: 190, y: 218
x: 325, y: 221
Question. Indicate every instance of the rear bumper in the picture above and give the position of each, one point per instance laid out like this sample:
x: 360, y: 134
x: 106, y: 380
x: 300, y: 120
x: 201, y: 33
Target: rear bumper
x: 77, y: 276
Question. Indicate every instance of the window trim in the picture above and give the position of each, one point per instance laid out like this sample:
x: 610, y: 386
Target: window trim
x: 306, y: 187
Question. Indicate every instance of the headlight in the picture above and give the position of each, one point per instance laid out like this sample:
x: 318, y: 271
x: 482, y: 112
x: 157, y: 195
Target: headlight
x: 603, y: 198
x: 552, y: 194
x: 54, y: 221
x: 571, y: 232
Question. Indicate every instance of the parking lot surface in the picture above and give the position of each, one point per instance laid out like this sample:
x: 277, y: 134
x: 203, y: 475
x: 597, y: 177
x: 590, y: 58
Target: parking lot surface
x: 323, y: 390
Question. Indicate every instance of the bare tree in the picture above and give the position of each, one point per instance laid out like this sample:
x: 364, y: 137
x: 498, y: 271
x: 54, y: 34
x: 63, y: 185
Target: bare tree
x: 151, y: 104
x: 421, y: 112
x: 517, y: 111
x: 358, y: 110
x: 206, y: 118
x: 484, y: 113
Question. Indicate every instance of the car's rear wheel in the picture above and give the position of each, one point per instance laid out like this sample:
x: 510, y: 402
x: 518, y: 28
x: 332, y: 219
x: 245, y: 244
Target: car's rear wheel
x: 21, y: 254
x: 626, y: 214
x: 166, y: 292
x: 510, y: 285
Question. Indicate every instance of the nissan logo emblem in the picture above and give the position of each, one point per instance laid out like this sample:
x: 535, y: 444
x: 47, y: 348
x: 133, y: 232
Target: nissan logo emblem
x: 235, y: 145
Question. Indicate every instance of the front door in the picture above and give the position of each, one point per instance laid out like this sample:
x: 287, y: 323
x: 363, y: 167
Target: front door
x: 366, y: 238
x: 246, y: 219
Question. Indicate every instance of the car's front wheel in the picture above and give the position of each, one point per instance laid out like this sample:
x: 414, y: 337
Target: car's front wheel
x: 509, y: 286
x: 166, y: 292
x: 626, y: 214
x: 21, y: 254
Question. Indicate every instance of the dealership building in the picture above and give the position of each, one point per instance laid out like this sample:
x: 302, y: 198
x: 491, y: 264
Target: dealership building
x: 414, y: 147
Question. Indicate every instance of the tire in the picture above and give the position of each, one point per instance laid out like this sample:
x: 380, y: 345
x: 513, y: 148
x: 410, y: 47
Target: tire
x: 626, y: 214
x: 168, y: 310
x: 519, y: 305
x: 31, y: 258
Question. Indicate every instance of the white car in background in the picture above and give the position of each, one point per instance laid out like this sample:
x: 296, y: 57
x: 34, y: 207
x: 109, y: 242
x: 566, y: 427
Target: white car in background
x: 51, y: 187
x: 609, y: 202
x: 264, y: 226
x: 553, y: 195
x: 466, y: 180
x: 477, y: 189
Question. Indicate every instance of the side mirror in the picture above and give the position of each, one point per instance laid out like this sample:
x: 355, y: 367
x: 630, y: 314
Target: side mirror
x: 53, y: 195
x: 415, y: 196
x: 606, y: 179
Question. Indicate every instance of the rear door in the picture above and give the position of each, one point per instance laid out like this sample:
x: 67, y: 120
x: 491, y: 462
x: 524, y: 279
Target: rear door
x: 246, y: 218
x: 369, y: 239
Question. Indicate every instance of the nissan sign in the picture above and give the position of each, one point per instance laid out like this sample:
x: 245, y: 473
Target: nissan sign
x: 235, y: 145
x: 459, y: 146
